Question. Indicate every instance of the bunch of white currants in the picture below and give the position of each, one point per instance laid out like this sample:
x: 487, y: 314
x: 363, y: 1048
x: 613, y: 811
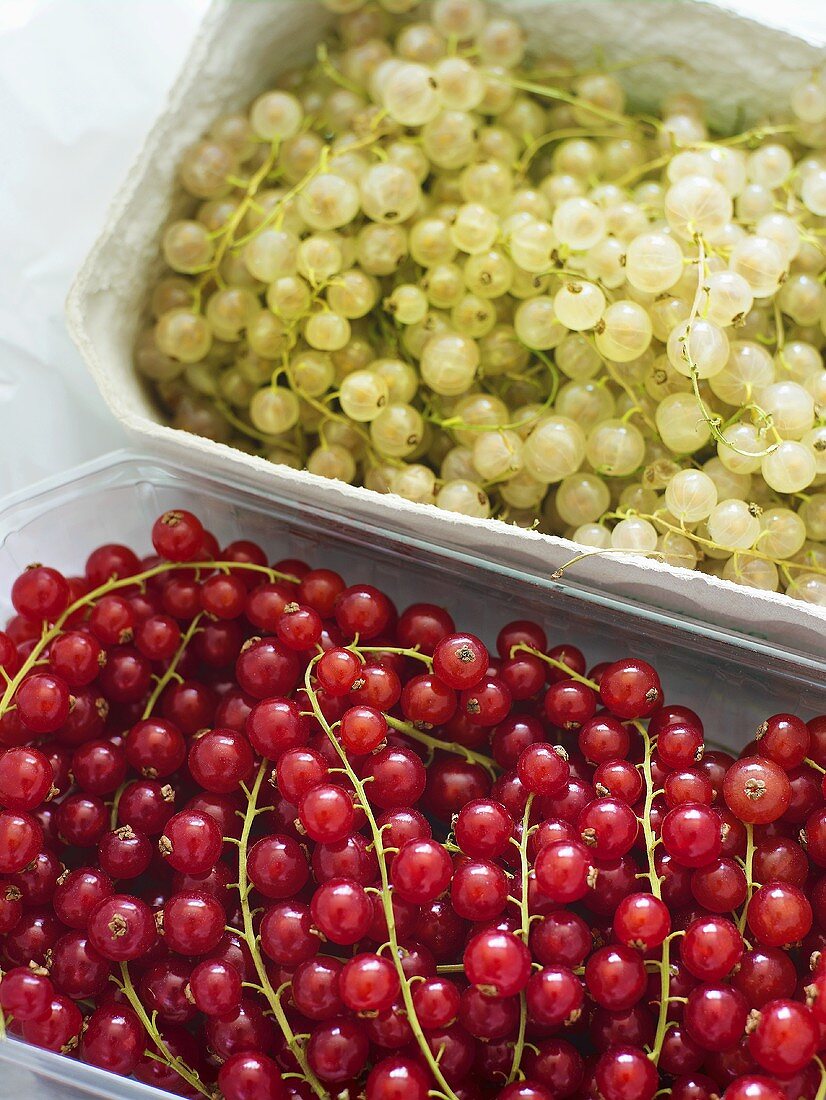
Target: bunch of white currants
x: 435, y: 266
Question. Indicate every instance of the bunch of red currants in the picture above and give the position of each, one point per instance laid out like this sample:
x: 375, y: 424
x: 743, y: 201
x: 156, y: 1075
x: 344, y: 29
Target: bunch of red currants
x: 367, y: 858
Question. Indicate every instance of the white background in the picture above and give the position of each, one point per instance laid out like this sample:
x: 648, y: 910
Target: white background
x: 80, y: 84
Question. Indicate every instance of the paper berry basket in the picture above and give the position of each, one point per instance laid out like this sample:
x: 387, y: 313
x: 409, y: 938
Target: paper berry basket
x: 243, y: 45
x: 734, y: 681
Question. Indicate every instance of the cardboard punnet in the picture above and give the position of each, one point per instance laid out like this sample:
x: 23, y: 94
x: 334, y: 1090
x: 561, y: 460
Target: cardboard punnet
x: 740, y: 67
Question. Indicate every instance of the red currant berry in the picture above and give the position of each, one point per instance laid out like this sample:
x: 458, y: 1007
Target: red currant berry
x: 25, y: 778
x: 215, y: 987
x: 177, y: 536
x: 25, y: 994
x: 641, y: 921
x: 221, y: 760
x: 394, y: 777
x: 486, y: 704
x: 342, y: 911
x: 266, y: 668
x: 43, y: 702
x: 368, y: 983
x: 784, y: 739
x: 608, y: 828
x: 483, y: 829
x: 460, y: 661
x: 191, y: 842
x: 397, y: 1078
x: 58, y: 1029
x: 327, y: 814
x: 554, y: 996
x: 121, y: 928
x: 277, y: 867
x: 364, y: 611
x: 543, y: 769
x: 630, y: 689
x: 691, y: 834
x: 77, y: 658
x: 479, y: 890
x: 40, y: 593
x: 193, y: 923
x: 251, y: 1076
x: 624, y: 1072
x: 113, y: 1039
x: 715, y: 1016
x: 420, y: 871
x: 779, y: 914
x: 498, y: 962
x: 756, y: 790
x: 615, y: 977
x: 711, y: 948
x: 785, y: 1038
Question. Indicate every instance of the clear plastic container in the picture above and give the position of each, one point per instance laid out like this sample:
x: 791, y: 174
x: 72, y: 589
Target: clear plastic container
x: 734, y: 682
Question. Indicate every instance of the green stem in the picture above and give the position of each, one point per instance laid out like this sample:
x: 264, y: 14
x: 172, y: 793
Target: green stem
x: 249, y: 935
x: 656, y: 890
x: 414, y: 653
x: 180, y: 1067
x: 524, y: 932
x: 163, y: 681
x: 387, y: 904
x: 520, y: 647
x: 748, y: 867
x: 138, y: 580
x: 171, y: 670
x: 821, y: 1089
x: 433, y: 743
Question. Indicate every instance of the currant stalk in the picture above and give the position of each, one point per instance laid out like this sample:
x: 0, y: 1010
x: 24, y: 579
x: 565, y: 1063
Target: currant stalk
x: 138, y: 580
x: 244, y: 888
x: 169, y: 1059
x: 387, y: 905
x: 524, y: 931
x: 748, y: 867
x: 656, y: 890
x: 434, y: 744
x: 170, y: 673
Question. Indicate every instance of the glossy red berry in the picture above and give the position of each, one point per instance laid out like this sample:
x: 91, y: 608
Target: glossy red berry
x: 420, y: 871
x: 785, y: 739
x: 193, y: 923
x: 25, y: 778
x: 191, y: 842
x: 40, y: 593
x: 756, y: 790
x: 483, y: 828
x: 785, y: 1037
x: 327, y: 813
x: 715, y: 1016
x: 691, y: 834
x: 630, y: 689
x: 24, y: 994
x: 342, y: 910
x: 543, y: 769
x: 251, y: 1076
x: 624, y: 1072
x: 779, y: 914
x: 121, y: 928
x: 641, y: 921
x: 398, y: 1078
x: 615, y: 977
x: 711, y: 948
x: 498, y: 962
x: 460, y: 661
x: 43, y: 702
x: 177, y: 535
